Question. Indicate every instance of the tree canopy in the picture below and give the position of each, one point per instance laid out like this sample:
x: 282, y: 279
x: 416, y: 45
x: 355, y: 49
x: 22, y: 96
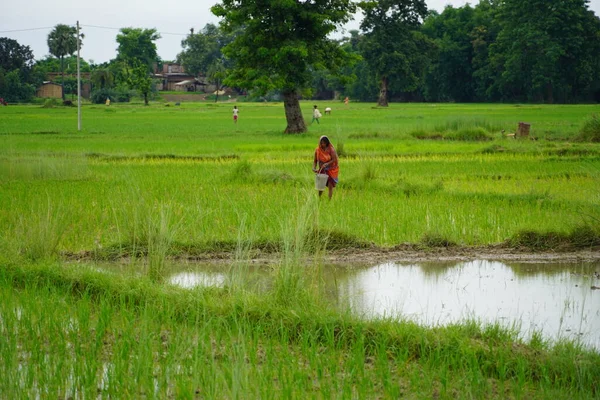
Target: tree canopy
x: 17, y: 80
x: 393, y: 47
x: 281, y: 42
x: 14, y: 56
x: 62, y: 41
x: 136, y: 46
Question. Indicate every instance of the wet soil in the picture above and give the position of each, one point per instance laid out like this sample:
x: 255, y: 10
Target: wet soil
x: 407, y: 253
x: 412, y: 253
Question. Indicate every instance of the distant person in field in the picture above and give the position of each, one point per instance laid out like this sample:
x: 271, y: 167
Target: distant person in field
x: 235, y: 114
x: 326, y: 160
x: 328, y: 111
x: 107, y: 101
x: 316, y: 115
x: 346, y: 100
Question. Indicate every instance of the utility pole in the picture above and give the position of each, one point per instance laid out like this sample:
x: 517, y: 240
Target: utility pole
x: 78, y: 81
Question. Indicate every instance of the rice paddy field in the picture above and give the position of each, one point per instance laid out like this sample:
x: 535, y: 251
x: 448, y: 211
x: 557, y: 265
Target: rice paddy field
x: 144, y: 186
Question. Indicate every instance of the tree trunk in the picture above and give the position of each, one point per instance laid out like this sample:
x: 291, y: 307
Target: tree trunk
x: 293, y: 113
x: 217, y: 98
x: 145, y: 99
x: 62, y: 73
x: 383, y: 93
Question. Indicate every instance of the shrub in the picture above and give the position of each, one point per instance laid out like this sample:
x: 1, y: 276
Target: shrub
x: 469, y: 134
x: 590, y: 131
x: 100, y: 96
x: 50, y: 103
x: 431, y: 239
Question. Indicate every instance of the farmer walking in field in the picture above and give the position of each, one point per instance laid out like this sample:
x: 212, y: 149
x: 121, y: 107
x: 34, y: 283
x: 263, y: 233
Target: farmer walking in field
x: 316, y: 115
x: 327, y: 161
x: 235, y: 114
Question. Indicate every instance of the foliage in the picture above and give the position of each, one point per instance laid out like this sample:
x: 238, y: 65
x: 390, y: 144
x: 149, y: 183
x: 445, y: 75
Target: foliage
x: 17, y: 76
x: 137, y: 47
x: 51, y: 103
x: 141, y: 81
x: 14, y: 87
x: 393, y: 47
x: 203, y: 49
x: 103, y: 78
x: 544, y: 50
x: 280, y: 43
x: 62, y: 41
x: 51, y: 64
x: 15, y: 56
x: 590, y: 131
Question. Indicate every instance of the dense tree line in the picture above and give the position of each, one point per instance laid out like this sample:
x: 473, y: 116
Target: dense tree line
x: 500, y: 50
x: 497, y: 51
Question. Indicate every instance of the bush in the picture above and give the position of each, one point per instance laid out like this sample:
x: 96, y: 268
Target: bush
x: 121, y: 95
x: 50, y: 103
x: 590, y: 131
x: 469, y: 134
x: 100, y: 96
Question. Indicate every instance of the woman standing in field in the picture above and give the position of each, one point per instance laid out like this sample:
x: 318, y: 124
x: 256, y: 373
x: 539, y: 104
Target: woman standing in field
x: 327, y: 160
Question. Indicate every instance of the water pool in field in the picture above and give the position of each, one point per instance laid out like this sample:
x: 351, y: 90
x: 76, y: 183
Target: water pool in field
x: 558, y: 301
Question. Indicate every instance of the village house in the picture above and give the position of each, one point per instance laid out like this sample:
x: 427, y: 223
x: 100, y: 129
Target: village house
x: 172, y: 76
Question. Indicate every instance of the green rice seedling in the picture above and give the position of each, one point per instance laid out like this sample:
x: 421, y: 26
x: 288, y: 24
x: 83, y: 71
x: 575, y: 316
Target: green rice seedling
x: 161, y: 233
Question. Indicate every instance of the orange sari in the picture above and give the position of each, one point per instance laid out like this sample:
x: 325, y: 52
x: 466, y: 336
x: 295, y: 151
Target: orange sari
x: 324, y: 156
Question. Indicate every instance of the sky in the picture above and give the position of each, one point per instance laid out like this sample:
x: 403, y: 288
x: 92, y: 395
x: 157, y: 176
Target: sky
x: 101, y: 20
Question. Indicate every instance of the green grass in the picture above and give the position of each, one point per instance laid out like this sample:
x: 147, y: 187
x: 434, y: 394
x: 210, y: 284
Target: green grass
x: 78, y: 332
x: 148, y: 183
x: 211, y: 173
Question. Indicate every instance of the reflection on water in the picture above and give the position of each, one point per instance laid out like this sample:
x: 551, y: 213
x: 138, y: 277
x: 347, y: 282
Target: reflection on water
x: 193, y: 279
x: 558, y: 304
x: 556, y: 300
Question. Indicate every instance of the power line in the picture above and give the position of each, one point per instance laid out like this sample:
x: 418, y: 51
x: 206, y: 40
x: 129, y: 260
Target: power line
x: 87, y: 26
x: 118, y: 29
x: 28, y: 29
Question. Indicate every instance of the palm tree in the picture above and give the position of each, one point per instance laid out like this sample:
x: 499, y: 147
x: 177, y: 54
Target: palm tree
x: 62, y: 41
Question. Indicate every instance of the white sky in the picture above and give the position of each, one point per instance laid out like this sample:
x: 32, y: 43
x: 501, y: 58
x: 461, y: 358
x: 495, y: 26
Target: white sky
x: 172, y: 20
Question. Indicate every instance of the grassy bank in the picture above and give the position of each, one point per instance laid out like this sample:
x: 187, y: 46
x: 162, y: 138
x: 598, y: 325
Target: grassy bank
x: 74, y: 332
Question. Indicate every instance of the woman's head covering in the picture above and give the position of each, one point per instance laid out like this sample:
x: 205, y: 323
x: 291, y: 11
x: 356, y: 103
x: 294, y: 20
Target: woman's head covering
x: 325, y: 139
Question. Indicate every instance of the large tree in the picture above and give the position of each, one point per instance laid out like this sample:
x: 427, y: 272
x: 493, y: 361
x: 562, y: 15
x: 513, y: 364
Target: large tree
x: 281, y: 41
x: 62, y: 41
x: 203, y: 49
x: 14, y: 56
x: 542, y: 52
x: 392, y: 46
x: 137, y: 47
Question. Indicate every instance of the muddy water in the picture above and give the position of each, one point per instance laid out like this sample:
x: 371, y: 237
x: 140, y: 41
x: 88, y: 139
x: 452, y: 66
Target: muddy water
x: 556, y: 300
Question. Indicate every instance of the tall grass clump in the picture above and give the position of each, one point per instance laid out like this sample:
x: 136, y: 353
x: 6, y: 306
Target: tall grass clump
x: 38, y: 234
x: 161, y: 232
x: 51, y: 103
x: 590, y: 131
x: 290, y: 285
x: 467, y: 124
x: 580, y: 237
x: 241, y: 172
x: 469, y: 134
